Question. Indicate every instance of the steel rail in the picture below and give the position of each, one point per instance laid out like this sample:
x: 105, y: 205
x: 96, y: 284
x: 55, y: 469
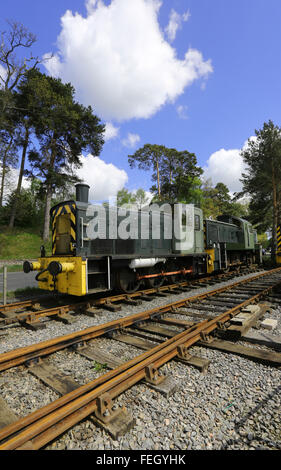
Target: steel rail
x: 75, y: 406
x: 186, y: 338
x: 19, y: 356
x: 35, y: 316
x: 25, y: 303
x: 96, y: 302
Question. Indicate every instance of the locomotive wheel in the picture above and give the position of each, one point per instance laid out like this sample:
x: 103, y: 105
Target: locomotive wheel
x: 127, y: 281
x: 155, y: 281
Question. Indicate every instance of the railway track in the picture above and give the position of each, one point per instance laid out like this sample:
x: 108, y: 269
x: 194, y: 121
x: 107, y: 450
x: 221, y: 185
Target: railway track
x: 163, y: 339
x: 30, y: 313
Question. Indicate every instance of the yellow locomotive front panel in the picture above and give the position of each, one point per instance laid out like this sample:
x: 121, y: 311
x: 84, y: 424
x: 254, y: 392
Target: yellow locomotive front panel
x: 67, y: 275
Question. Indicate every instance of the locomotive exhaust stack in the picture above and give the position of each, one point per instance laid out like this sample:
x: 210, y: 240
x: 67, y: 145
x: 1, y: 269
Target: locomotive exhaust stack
x: 82, y: 192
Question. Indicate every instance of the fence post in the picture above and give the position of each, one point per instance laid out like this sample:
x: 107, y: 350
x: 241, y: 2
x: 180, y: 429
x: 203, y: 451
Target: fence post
x: 4, y: 285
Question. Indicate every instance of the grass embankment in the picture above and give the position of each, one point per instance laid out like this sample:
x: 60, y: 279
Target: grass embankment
x: 21, y: 244
x: 12, y: 268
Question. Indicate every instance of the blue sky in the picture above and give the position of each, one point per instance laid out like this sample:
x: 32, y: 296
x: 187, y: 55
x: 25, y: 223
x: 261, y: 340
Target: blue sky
x: 208, y: 102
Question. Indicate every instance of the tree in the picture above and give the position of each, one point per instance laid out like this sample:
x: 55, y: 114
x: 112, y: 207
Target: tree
x: 217, y: 201
x: 12, y: 71
x: 12, y: 67
x: 149, y: 157
x: 179, y: 176
x: 223, y: 197
x: 64, y: 128
x: 124, y: 197
x: 30, y: 214
x: 175, y: 173
x: 22, y: 120
x: 207, y: 199
x: 167, y: 171
x: 264, y: 240
x: 141, y: 198
x: 262, y: 180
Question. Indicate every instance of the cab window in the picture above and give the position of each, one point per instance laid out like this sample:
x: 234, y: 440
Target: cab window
x: 197, y: 222
x: 183, y: 221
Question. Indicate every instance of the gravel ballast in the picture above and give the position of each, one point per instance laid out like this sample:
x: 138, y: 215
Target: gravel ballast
x: 235, y: 405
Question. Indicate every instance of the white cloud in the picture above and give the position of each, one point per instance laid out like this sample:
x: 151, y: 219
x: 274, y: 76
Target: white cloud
x: 11, y: 182
x: 104, y: 179
x: 175, y: 23
x: 227, y: 166
x: 186, y: 15
x: 182, y: 111
x: 119, y: 62
x: 111, y: 132
x: 3, y: 75
x: 131, y: 140
x: 91, y: 5
x: 13, y: 179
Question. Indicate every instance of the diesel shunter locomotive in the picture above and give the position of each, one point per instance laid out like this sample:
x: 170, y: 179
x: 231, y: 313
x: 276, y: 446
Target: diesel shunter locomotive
x: 174, y: 243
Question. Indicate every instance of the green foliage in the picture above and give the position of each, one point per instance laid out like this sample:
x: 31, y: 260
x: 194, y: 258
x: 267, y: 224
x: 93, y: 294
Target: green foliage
x: 180, y: 175
x: 264, y: 240
x: 175, y: 174
x: 177, y: 178
x: 124, y: 197
x: 99, y: 367
x: 13, y: 67
x: 31, y: 210
x: 12, y: 268
x: 217, y: 201
x: 149, y: 157
x: 62, y: 126
x: 262, y: 180
x: 127, y: 198
x: 20, y: 243
x: 141, y: 198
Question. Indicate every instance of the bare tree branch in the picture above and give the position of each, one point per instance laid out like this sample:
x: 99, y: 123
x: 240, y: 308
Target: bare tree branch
x: 14, y: 68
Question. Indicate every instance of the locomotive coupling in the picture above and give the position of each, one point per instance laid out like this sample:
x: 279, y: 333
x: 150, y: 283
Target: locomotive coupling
x: 34, y: 266
x: 55, y: 268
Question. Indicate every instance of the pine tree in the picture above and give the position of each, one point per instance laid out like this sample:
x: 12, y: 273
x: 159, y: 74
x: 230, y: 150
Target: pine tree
x: 262, y: 181
x: 149, y: 157
x: 175, y: 173
x: 64, y: 128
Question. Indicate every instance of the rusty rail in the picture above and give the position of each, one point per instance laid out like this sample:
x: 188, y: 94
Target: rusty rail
x: 42, y: 426
x: 27, y: 353
x: 34, y: 316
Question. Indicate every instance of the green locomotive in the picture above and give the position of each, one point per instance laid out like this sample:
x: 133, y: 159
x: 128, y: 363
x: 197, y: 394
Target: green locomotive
x: 97, y: 248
